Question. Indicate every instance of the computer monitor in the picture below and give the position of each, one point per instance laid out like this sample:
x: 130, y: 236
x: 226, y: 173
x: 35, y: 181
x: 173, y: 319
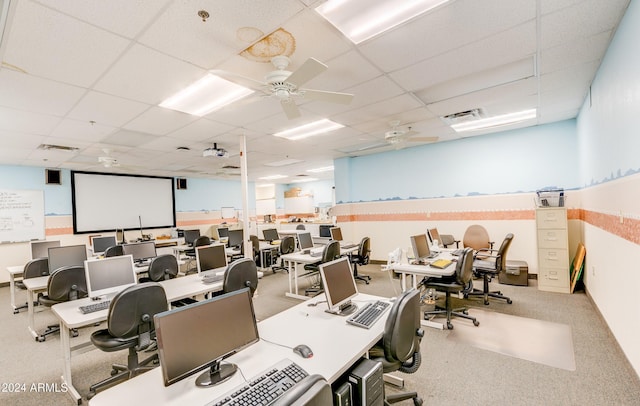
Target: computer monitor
x: 190, y: 236
x: 420, y: 246
x: 339, y: 286
x: 336, y: 233
x: 270, y: 234
x: 230, y: 327
x: 223, y: 232
x: 235, y: 238
x: 108, y: 276
x: 70, y: 255
x: 140, y: 250
x: 305, y: 241
x: 40, y: 249
x: 324, y: 230
x: 211, y: 259
x: 100, y: 244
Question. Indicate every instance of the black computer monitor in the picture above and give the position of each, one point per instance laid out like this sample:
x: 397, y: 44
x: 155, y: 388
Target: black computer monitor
x: 324, y: 230
x: 40, y: 249
x: 223, y: 232
x: 230, y: 327
x: 211, y: 259
x: 235, y: 238
x: 190, y: 236
x: 70, y: 255
x: 305, y: 240
x: 270, y: 234
x: 140, y: 250
x: 420, y: 246
x: 339, y: 285
x: 100, y: 244
x: 108, y: 276
x: 336, y: 233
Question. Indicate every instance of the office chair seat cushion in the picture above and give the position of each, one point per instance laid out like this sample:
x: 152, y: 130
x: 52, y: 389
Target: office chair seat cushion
x: 377, y: 354
x: 484, y: 266
x: 450, y: 286
x: 45, y: 300
x: 108, y: 343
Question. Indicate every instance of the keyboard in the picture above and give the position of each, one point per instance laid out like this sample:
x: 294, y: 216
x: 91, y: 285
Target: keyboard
x: 265, y: 388
x: 349, y: 246
x: 369, y: 314
x: 457, y: 252
x: 95, y: 307
x: 142, y: 264
x: 315, y: 253
x: 212, y: 278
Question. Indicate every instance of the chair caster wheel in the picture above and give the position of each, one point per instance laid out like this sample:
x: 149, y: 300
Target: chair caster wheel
x: 465, y: 311
x: 466, y: 296
x: 476, y: 323
x: 486, y: 303
x: 74, y: 334
x: 114, y: 372
x: 417, y: 402
x: 16, y: 311
x: 40, y: 339
x: 449, y: 325
x: 509, y: 301
x: 367, y: 282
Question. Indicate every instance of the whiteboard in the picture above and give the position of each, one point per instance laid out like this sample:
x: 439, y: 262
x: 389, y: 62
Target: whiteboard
x: 21, y: 215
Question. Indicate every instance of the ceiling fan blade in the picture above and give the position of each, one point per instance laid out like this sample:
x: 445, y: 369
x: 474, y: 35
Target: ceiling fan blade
x: 309, y: 70
x: 323, y: 95
x: 290, y: 109
x: 239, y: 80
x: 423, y: 139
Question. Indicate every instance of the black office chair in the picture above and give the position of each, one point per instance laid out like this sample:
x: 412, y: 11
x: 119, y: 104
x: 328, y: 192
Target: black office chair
x: 33, y: 269
x: 255, y: 248
x: 130, y: 326
x: 191, y: 253
x: 287, y: 246
x: 162, y: 268
x: 115, y: 251
x: 444, y: 240
x: 399, y: 349
x: 300, y: 227
x: 65, y: 284
x: 330, y: 252
x: 312, y: 390
x: 242, y: 273
x: 457, y: 282
x: 361, y: 258
x: 488, y: 265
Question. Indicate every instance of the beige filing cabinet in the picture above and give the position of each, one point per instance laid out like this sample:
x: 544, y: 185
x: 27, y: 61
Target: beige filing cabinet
x: 553, y: 249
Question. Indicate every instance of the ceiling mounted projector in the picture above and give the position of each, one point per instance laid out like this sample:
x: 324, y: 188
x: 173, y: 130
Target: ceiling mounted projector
x: 215, y: 151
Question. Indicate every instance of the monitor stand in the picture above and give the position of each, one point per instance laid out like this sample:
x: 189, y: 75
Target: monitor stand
x: 344, y: 309
x: 216, y: 374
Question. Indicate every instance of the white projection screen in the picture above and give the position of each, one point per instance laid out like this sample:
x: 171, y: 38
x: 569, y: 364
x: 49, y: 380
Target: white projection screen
x: 105, y: 202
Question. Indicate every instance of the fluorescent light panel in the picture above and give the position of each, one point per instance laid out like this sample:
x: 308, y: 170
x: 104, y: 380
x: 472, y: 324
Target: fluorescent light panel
x: 304, y: 180
x: 360, y: 20
x: 206, y: 95
x: 495, y: 121
x: 320, y: 170
x: 284, y: 162
x: 273, y: 177
x: 309, y: 130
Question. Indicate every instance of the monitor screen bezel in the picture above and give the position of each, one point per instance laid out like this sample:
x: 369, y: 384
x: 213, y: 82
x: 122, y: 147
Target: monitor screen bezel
x: 213, y: 271
x: 235, y: 233
x: 420, y: 251
x: 334, y: 303
x: 324, y: 230
x: 226, y: 232
x: 191, y: 231
x: 79, y: 247
x: 102, y: 238
x: 140, y: 259
x: 307, y: 246
x: 43, y: 245
x: 270, y: 234
x: 336, y: 233
x: 179, y: 313
x: 111, y: 290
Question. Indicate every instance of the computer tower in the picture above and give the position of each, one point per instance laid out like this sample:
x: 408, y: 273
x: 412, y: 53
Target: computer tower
x: 342, y: 395
x: 367, y: 384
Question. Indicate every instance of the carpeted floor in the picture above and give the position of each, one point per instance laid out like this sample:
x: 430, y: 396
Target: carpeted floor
x: 453, y: 372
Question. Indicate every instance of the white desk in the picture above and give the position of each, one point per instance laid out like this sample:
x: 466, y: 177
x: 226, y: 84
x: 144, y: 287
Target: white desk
x: 69, y: 315
x: 335, y: 344
x: 420, y: 271
x: 14, y: 271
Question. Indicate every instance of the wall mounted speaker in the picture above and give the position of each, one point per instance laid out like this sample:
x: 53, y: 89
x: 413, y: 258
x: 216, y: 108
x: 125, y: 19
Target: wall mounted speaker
x: 53, y: 176
x: 181, y: 183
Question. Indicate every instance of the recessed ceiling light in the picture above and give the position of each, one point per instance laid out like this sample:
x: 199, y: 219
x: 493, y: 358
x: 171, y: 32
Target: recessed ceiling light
x: 309, y: 130
x: 303, y: 180
x: 206, y: 95
x: 273, y: 177
x: 322, y: 169
x: 495, y: 121
x: 360, y: 20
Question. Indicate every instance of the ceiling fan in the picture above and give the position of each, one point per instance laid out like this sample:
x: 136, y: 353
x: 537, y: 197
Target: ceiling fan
x: 398, y: 135
x: 107, y: 160
x: 285, y: 85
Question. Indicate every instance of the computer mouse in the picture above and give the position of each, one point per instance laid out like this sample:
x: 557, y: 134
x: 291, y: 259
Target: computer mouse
x: 303, y: 350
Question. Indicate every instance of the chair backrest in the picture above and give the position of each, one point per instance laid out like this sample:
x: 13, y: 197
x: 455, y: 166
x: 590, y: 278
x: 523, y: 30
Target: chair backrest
x: 201, y: 241
x: 242, y: 273
x: 464, y: 266
x: 402, y: 331
x: 255, y: 243
x: 300, y: 227
x: 312, y: 390
x: 163, y: 267
x: 434, y: 235
x: 67, y: 283
x: 501, y: 256
x: 115, y: 251
x: 287, y: 245
x: 131, y: 311
x: 331, y: 251
x: 364, y: 250
x: 36, y: 268
x: 476, y: 237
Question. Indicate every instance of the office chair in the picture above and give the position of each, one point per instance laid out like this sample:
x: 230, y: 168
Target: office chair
x: 443, y: 239
x: 477, y: 238
x: 488, y: 265
x: 238, y: 254
x: 65, y: 284
x: 300, y: 227
x: 287, y: 246
x: 242, y: 273
x: 255, y: 247
x: 130, y: 326
x: 399, y: 349
x: 312, y: 390
x: 458, y: 282
x: 115, y: 251
x: 162, y: 268
x: 330, y: 252
x: 191, y: 253
x: 33, y: 269
x: 361, y: 258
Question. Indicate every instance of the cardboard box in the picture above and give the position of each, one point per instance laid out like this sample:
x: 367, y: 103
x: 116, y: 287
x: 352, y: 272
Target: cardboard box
x: 517, y: 273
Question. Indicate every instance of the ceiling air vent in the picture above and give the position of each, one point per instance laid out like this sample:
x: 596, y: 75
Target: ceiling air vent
x: 47, y: 147
x: 230, y: 167
x: 463, y: 116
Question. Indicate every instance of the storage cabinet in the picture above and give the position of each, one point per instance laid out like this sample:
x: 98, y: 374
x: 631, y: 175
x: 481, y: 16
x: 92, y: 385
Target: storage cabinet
x: 553, y: 249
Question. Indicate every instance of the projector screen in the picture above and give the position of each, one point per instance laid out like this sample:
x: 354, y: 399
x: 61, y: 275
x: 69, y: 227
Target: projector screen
x: 105, y: 202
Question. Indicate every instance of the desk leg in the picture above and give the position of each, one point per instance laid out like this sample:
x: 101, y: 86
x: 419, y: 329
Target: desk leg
x: 31, y: 316
x: 65, y: 345
x: 403, y: 281
x: 293, y: 281
x: 12, y: 286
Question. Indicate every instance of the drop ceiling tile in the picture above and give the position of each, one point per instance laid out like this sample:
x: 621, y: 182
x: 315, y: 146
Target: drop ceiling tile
x: 159, y: 121
x: 26, y: 122
x: 200, y: 130
x: 164, y: 144
x: 81, y: 130
x: 106, y: 109
x: 52, y: 45
x: 20, y: 141
x: 574, y: 53
x: 247, y: 111
x: 578, y: 76
x: 128, y: 138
